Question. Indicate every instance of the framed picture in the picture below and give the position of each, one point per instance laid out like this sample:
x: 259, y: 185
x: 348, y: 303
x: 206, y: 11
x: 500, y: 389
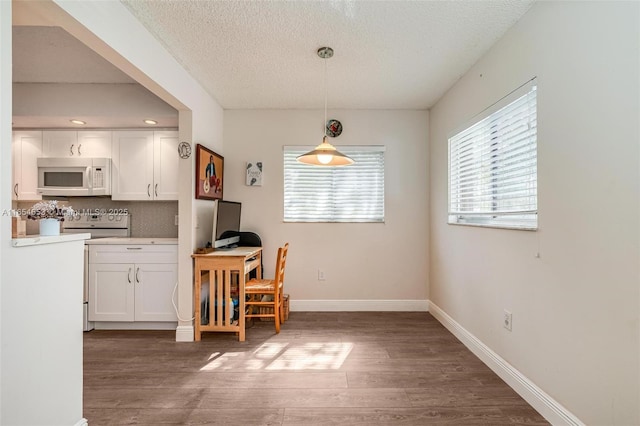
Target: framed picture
x: 209, y: 174
x: 254, y: 173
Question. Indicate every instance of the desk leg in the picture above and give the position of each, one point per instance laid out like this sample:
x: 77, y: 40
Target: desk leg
x: 196, y: 298
x: 259, y: 267
x: 241, y: 306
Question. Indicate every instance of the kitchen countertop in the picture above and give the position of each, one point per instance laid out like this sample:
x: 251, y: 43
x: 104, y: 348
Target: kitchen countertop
x: 35, y: 240
x: 124, y: 241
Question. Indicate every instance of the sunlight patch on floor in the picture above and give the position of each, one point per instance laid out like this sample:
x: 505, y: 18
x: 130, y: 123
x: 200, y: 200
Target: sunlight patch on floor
x: 276, y: 356
x: 313, y: 356
x: 269, y: 350
x: 226, y: 361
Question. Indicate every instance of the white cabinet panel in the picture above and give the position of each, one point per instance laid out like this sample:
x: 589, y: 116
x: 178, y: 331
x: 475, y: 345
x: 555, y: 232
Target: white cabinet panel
x: 165, y: 165
x: 26, y: 148
x: 154, y: 290
x: 111, y: 292
x: 81, y: 143
x: 94, y: 143
x: 132, y: 167
x: 60, y: 143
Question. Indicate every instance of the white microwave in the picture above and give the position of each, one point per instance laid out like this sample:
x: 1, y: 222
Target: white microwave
x: 74, y: 176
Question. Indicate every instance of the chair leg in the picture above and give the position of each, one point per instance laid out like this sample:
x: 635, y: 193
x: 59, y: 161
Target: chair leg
x: 276, y: 313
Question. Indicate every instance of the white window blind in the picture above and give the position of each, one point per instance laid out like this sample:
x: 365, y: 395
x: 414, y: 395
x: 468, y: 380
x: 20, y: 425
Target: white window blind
x: 493, y: 165
x: 352, y: 193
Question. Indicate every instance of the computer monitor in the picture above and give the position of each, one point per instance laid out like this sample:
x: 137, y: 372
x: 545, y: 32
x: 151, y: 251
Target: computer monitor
x: 226, y: 217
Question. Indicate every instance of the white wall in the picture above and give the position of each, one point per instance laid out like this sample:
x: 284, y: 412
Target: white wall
x: 576, y: 308
x: 371, y: 261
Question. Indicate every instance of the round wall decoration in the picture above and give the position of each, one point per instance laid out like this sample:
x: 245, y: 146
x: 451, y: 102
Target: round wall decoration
x: 333, y: 128
x: 184, y: 150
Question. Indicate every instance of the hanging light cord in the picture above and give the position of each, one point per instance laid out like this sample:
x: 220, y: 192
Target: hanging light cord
x: 326, y: 94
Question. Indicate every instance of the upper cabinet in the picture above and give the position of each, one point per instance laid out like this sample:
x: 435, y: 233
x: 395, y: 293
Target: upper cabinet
x: 165, y: 165
x: 72, y: 143
x: 94, y: 144
x: 26, y: 148
x: 145, y: 165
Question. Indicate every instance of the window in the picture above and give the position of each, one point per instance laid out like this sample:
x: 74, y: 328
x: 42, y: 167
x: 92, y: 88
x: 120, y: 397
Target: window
x: 352, y: 193
x: 493, y: 165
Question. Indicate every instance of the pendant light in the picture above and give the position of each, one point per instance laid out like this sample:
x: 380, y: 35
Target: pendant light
x: 325, y: 154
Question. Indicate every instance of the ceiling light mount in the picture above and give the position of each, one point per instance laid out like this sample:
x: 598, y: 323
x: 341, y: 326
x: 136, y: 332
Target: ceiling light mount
x: 325, y: 154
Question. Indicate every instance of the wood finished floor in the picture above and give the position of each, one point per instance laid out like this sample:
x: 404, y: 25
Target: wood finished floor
x: 327, y: 368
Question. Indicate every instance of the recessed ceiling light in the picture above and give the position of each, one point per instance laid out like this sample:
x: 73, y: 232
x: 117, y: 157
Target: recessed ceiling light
x: 78, y: 122
x: 148, y: 121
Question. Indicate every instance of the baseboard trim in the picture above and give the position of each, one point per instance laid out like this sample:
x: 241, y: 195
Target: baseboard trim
x: 141, y: 325
x: 358, y: 305
x: 548, y: 407
x: 82, y: 422
x: 184, y: 333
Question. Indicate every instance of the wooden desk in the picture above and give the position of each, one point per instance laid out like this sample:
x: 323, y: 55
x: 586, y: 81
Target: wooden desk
x: 221, y: 265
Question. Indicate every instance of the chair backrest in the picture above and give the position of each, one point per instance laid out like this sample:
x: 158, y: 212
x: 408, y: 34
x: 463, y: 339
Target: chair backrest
x: 247, y: 239
x: 250, y: 239
x: 281, y: 261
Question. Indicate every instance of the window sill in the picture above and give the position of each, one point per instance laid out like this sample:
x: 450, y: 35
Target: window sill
x: 497, y: 226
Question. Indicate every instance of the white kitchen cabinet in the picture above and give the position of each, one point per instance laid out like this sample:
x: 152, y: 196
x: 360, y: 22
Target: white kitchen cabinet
x: 94, y: 143
x: 132, y: 282
x: 81, y: 143
x: 111, y: 292
x: 154, y: 288
x: 26, y: 148
x: 145, y: 165
x: 165, y: 165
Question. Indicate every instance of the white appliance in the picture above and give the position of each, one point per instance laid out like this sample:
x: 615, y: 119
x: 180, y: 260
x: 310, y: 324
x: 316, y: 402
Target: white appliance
x: 99, y: 226
x: 74, y: 176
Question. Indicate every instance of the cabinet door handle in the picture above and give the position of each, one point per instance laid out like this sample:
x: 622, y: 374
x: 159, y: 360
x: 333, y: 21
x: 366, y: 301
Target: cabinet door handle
x: 149, y: 190
x: 137, y: 271
x: 15, y: 189
x: 156, y: 189
x: 71, y: 149
x: 79, y: 146
x: 129, y: 276
x: 134, y: 248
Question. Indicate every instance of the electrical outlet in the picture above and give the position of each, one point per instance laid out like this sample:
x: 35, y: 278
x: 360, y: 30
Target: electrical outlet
x: 320, y: 275
x: 507, y: 320
x: 176, y: 220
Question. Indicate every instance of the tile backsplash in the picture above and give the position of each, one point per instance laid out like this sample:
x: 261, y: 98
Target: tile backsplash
x: 149, y: 219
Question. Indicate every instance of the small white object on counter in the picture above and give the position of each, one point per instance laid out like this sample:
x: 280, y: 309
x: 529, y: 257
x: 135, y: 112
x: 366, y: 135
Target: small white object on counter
x: 34, y: 240
x: 119, y: 240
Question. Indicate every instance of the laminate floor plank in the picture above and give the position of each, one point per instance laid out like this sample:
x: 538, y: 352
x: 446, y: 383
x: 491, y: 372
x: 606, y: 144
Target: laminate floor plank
x: 324, y: 368
x: 394, y: 416
x: 263, y: 380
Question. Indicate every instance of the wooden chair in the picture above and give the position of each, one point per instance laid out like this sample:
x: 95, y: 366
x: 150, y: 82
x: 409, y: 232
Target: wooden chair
x: 268, y: 293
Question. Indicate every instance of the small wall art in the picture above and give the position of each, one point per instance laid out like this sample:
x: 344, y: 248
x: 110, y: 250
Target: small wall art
x: 209, y: 174
x: 254, y: 173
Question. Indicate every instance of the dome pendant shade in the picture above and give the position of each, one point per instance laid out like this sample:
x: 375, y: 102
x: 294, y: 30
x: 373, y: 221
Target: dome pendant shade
x: 325, y: 154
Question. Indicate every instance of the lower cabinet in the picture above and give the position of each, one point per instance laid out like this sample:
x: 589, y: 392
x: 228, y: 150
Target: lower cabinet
x: 132, y: 283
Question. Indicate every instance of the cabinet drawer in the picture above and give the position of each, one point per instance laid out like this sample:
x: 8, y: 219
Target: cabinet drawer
x: 133, y: 253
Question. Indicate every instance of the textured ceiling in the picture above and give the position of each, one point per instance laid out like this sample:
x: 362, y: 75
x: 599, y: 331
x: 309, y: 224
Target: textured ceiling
x: 388, y: 54
x: 262, y: 54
